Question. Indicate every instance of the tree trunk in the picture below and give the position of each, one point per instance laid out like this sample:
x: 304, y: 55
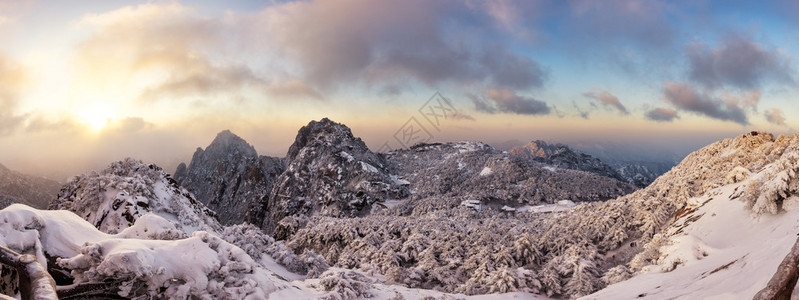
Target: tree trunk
x: 783, y: 282
x: 34, y: 281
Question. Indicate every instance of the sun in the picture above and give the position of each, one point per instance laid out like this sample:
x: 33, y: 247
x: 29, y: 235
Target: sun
x: 95, y: 117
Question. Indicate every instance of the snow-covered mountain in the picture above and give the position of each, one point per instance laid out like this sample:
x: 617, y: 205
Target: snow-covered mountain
x: 641, y: 173
x: 638, y: 173
x: 332, y: 173
x: 714, y: 226
x: 579, y: 251
x: 129, y: 231
x: 562, y: 156
x: 442, y: 175
x: 16, y: 187
x: 229, y: 177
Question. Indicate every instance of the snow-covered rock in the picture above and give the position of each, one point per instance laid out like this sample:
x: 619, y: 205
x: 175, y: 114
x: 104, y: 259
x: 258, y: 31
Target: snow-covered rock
x: 130, y: 264
x: 114, y: 198
x: 330, y: 172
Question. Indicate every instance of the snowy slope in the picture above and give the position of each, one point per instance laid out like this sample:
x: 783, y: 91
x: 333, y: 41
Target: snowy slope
x: 728, y: 242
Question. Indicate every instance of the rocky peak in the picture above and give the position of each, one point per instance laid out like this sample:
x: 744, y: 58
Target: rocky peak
x: 324, y: 133
x: 229, y: 177
x: 230, y: 144
x: 330, y: 172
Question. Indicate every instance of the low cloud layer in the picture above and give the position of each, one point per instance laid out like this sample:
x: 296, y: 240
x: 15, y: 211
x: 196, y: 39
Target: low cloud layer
x: 737, y: 61
x: 607, y: 99
x: 775, y: 116
x: 686, y: 97
x: 507, y: 101
x: 661, y: 114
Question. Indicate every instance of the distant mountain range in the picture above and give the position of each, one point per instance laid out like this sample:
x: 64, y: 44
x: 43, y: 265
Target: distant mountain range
x: 639, y: 173
x: 35, y: 191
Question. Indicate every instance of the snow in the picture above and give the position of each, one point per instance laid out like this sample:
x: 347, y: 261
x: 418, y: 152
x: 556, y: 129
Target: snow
x: 562, y: 205
x: 272, y: 265
x: 347, y: 156
x: 399, y: 181
x: 550, y: 168
x: 369, y: 168
x: 472, y: 204
x: 720, y: 251
x: 486, y: 171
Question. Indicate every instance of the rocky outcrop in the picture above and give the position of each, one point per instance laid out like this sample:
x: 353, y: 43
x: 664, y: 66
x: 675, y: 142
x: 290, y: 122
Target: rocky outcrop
x: 229, y: 177
x: 20, y: 188
x: 113, y: 199
x: 332, y: 173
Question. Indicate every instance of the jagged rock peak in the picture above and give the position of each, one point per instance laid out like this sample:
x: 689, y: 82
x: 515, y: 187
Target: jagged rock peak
x: 325, y: 132
x: 229, y: 143
x: 330, y: 172
x: 229, y: 177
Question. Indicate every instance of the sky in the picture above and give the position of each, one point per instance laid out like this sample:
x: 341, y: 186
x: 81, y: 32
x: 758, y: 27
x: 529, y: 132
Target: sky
x: 84, y: 83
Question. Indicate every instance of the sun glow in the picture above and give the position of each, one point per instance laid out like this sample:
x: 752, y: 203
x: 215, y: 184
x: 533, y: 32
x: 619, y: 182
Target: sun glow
x: 95, y: 117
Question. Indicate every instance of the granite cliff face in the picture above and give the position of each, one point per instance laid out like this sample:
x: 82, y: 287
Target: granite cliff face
x: 230, y: 178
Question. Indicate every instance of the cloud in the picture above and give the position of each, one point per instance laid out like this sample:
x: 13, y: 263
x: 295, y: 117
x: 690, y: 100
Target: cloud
x: 505, y: 100
x: 607, y: 99
x: 641, y: 22
x: 161, y: 52
x: 199, y: 78
x: 775, y: 116
x: 737, y: 61
x: 583, y: 113
x: 687, y: 98
x: 293, y: 88
x: 374, y: 42
x: 129, y: 125
x: 661, y: 114
x: 13, y: 78
x: 459, y: 116
x: 38, y: 122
